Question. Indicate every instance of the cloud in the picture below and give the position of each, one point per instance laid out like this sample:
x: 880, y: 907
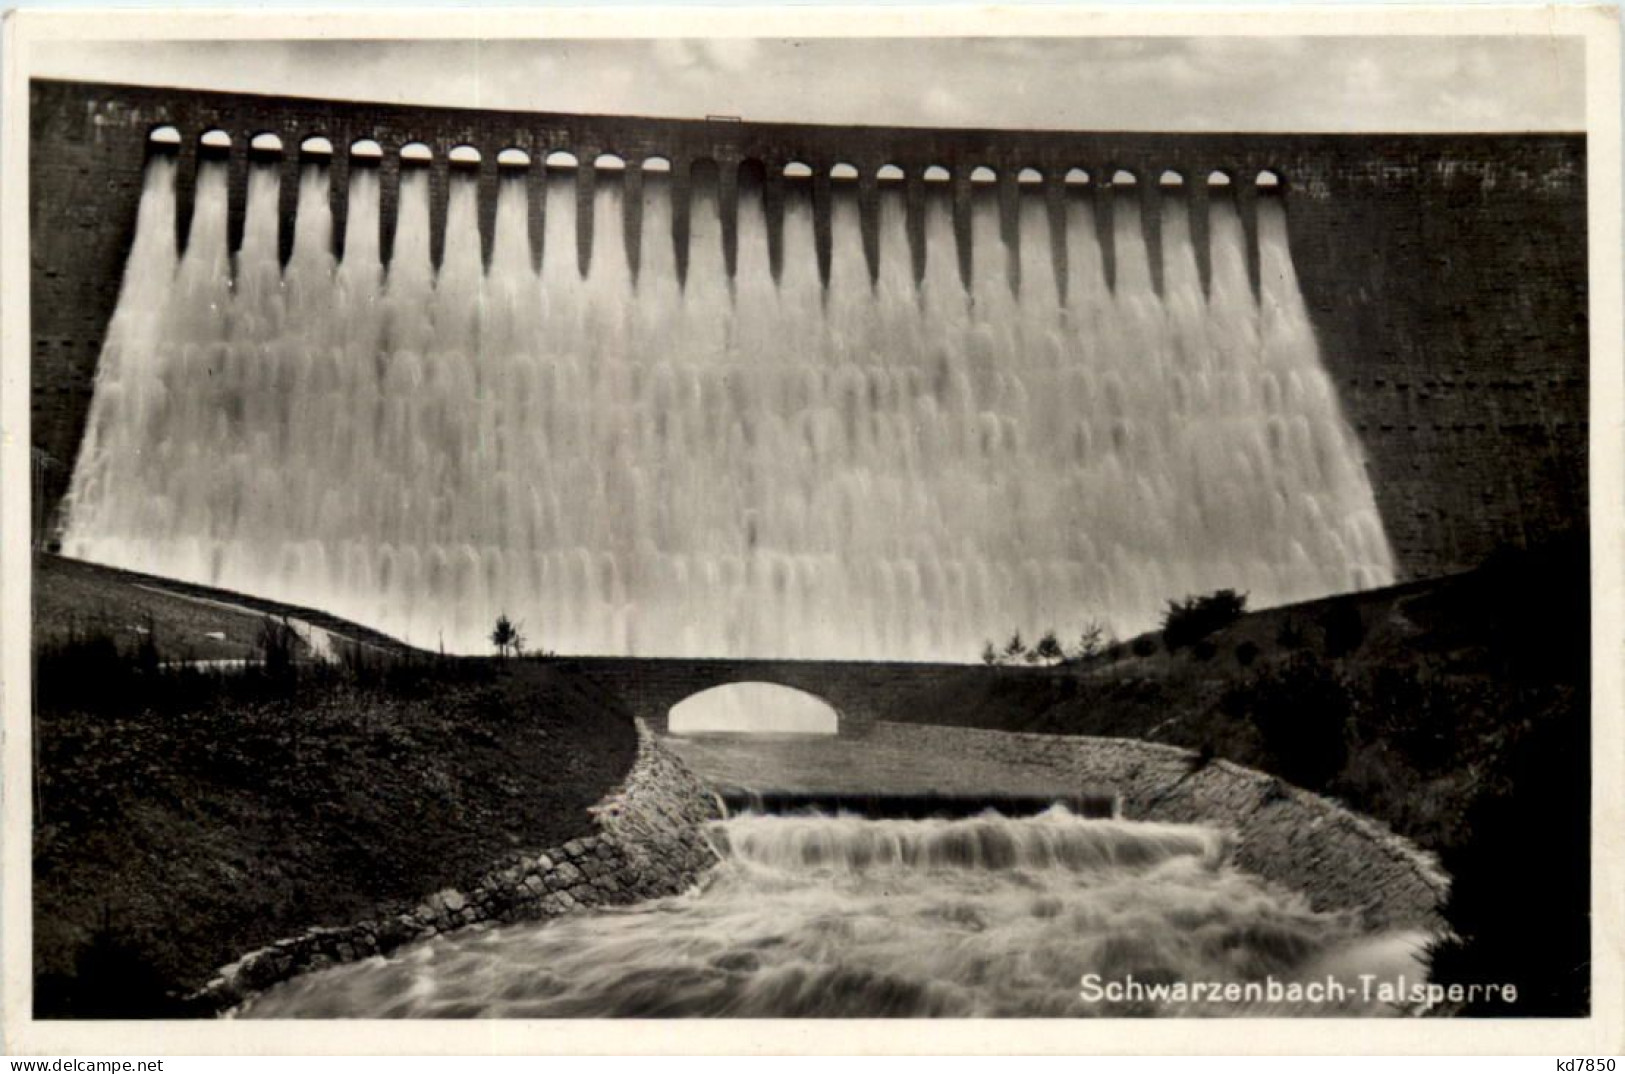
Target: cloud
x: 942, y: 103
x: 677, y: 55
x: 1167, y: 83
x: 735, y: 55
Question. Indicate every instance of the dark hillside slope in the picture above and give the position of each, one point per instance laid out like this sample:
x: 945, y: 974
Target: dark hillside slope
x: 1456, y: 710
x: 184, y: 816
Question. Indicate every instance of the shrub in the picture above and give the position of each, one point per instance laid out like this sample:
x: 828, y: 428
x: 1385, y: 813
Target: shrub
x: 1048, y: 650
x: 1291, y: 636
x: 85, y: 669
x: 1204, y: 650
x: 1536, y: 609
x: 1144, y: 645
x: 89, y: 671
x: 364, y: 665
x: 990, y: 656
x: 1527, y: 863
x: 277, y: 642
x: 1246, y: 653
x: 1418, y: 713
x: 1343, y: 628
x: 146, y: 650
x: 114, y: 976
x: 1301, y: 710
x: 1014, y: 649
x: 1189, y: 621
x: 1094, y: 641
x: 506, y: 636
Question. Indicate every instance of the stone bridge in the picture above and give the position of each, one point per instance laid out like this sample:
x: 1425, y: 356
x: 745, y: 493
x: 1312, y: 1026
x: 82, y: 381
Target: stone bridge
x: 862, y: 692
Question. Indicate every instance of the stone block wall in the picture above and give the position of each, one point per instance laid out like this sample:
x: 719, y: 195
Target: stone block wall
x: 648, y: 842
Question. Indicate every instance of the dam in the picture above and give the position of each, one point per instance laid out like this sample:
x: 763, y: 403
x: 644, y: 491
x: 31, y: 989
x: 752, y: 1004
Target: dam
x: 711, y: 403
x: 712, y: 388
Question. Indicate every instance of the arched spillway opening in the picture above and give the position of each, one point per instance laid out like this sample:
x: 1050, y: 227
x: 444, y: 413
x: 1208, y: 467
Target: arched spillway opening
x: 753, y: 708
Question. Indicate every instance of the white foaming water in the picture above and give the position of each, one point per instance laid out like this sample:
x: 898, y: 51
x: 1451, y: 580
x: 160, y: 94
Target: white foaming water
x: 845, y: 917
x: 637, y: 464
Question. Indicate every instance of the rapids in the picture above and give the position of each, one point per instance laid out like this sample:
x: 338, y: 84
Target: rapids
x: 814, y: 916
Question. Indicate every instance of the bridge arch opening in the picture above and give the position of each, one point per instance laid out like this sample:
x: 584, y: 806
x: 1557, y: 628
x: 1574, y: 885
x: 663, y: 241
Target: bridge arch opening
x: 1076, y: 177
x: 464, y: 156
x: 316, y: 146
x: 936, y: 173
x: 843, y: 172
x: 1029, y: 177
x: 513, y: 157
x: 656, y: 164
x: 416, y: 154
x: 753, y: 708
x: 1269, y: 180
x: 890, y: 173
x: 797, y: 170
x: 367, y: 151
x: 983, y: 176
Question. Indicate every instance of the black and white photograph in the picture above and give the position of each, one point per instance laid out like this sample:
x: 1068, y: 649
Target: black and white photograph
x: 1053, y: 526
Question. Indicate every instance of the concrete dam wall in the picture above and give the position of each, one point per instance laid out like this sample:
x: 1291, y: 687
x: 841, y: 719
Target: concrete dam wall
x: 1445, y: 275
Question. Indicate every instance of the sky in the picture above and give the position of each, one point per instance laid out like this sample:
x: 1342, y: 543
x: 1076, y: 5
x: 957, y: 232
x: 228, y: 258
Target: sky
x: 1101, y: 83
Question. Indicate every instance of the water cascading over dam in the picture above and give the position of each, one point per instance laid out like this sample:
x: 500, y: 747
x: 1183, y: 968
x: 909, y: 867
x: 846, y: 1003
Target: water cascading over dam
x: 632, y: 451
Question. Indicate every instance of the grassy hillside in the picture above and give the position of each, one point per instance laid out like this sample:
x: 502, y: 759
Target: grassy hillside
x: 184, y: 816
x: 1457, y: 710
x: 1416, y: 687
x: 196, y: 622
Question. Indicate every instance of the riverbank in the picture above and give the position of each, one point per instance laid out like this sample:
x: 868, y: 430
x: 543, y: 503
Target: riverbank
x: 1400, y: 702
x: 1455, y: 710
x: 646, y: 842
x: 194, y: 622
x: 1301, y: 842
x: 187, y: 816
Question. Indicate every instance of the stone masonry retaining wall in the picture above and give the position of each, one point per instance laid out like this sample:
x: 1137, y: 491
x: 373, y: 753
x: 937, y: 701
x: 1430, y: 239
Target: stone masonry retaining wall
x: 648, y: 844
x: 1340, y: 860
